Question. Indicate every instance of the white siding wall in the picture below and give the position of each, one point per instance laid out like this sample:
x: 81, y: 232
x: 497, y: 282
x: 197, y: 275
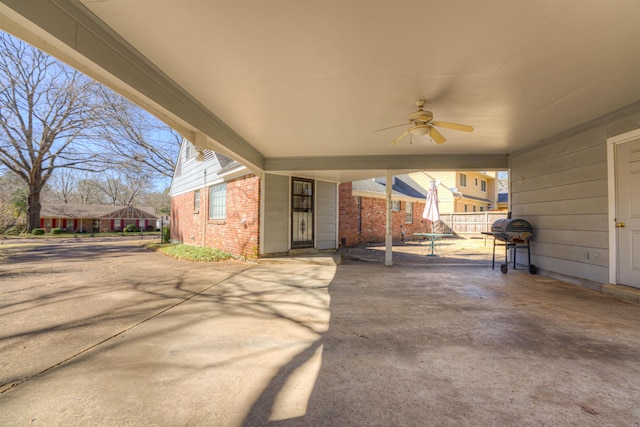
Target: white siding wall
x: 560, y: 187
x: 326, y: 219
x: 189, y: 173
x: 276, y: 213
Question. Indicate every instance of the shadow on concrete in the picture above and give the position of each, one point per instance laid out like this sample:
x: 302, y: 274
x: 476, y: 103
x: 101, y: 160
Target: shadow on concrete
x: 421, y: 346
x: 88, y: 321
x: 416, y: 344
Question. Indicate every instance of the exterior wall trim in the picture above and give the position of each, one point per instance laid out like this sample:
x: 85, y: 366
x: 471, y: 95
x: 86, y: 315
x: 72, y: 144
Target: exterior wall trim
x: 337, y: 215
x: 479, y: 162
x: 261, y: 215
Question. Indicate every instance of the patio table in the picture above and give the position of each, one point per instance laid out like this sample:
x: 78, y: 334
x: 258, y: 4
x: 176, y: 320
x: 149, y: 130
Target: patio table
x: 432, y: 237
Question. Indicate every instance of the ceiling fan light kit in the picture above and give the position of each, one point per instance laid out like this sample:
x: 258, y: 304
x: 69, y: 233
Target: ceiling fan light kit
x: 419, y: 130
x: 423, y: 124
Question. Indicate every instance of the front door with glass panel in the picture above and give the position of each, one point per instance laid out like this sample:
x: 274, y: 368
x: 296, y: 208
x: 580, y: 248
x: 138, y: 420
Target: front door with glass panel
x: 301, y: 213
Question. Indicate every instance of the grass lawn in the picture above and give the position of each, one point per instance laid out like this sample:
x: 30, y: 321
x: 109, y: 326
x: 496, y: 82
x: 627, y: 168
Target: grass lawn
x: 190, y: 253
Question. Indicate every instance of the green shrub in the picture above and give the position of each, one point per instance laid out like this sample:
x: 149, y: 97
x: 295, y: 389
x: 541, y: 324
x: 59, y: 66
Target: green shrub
x: 166, y: 235
x: 37, y: 231
x: 131, y: 228
x: 56, y: 231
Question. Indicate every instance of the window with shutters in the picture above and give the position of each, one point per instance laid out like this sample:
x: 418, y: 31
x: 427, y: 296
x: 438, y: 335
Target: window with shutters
x: 408, y: 213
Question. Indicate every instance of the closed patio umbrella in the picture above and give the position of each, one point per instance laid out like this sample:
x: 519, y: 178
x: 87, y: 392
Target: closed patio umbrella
x: 431, y: 211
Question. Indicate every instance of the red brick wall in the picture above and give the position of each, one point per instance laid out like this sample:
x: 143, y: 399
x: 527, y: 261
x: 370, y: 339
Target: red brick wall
x: 373, y: 219
x: 187, y: 225
x: 238, y: 234
x: 87, y: 225
x: 347, y: 216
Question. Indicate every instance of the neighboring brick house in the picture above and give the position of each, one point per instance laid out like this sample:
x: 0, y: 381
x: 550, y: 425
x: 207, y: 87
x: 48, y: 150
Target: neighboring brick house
x: 95, y: 218
x: 363, y: 203
x: 217, y: 202
x: 363, y: 210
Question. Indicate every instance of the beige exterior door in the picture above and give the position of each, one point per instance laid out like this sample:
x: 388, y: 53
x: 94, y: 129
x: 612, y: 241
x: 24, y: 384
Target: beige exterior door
x: 628, y: 212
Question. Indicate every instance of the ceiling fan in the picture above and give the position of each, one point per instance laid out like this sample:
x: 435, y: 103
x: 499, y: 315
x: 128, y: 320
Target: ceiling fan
x: 422, y: 123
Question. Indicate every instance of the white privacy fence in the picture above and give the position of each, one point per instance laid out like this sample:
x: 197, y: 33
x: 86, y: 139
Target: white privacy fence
x: 469, y: 222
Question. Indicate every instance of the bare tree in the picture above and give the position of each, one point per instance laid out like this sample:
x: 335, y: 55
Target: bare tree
x: 112, y: 187
x: 73, y: 186
x: 503, y: 181
x: 124, y: 186
x: 88, y: 192
x: 132, y: 134
x: 161, y: 201
x: 54, y: 118
x: 46, y: 112
x: 61, y: 187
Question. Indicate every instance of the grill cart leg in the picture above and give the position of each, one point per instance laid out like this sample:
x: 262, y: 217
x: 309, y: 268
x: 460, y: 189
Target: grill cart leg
x: 532, y: 268
x: 493, y: 259
x: 505, y: 267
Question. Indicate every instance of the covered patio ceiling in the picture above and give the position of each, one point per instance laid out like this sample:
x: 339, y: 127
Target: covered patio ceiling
x: 300, y: 86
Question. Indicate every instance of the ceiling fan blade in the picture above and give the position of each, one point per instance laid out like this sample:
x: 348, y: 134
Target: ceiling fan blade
x: 391, y: 127
x: 399, y: 137
x: 437, y: 136
x: 456, y: 126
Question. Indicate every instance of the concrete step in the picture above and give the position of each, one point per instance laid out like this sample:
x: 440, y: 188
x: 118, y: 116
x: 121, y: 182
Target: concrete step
x: 623, y: 293
x: 313, y: 259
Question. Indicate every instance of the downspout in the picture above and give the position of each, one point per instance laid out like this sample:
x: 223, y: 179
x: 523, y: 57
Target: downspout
x: 262, y: 178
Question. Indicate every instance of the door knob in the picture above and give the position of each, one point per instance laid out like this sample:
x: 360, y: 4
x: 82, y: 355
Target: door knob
x: 620, y: 224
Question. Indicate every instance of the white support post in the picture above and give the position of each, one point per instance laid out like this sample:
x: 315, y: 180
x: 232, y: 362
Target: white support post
x: 204, y: 196
x: 388, y: 257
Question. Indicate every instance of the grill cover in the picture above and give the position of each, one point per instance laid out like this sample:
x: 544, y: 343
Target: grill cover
x: 512, y: 230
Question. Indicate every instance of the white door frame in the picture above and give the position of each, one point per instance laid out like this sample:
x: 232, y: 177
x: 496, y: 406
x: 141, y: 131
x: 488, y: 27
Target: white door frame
x: 612, y: 192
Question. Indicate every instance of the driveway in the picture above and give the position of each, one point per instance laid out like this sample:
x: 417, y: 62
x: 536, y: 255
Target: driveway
x: 108, y: 333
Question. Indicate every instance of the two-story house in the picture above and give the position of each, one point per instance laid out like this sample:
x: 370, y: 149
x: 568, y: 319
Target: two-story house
x: 462, y: 191
x: 218, y: 202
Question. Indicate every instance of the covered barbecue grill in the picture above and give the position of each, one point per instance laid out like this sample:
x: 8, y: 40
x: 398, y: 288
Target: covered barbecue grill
x: 513, y: 234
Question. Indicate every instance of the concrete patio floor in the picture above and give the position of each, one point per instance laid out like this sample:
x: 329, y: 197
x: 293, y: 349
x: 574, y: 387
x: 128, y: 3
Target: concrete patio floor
x: 111, y: 334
